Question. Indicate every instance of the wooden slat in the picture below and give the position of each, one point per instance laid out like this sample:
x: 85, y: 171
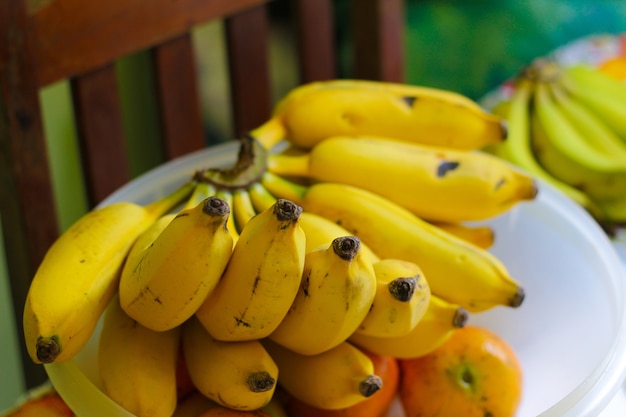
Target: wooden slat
x: 378, y: 27
x: 101, y: 132
x: 316, y: 48
x: 75, y: 36
x: 29, y: 220
x: 179, y: 102
x: 247, y: 38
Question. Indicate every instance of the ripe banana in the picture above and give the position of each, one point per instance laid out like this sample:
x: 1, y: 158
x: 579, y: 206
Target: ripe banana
x: 260, y: 197
x: 166, y: 280
x: 402, y: 297
x: 456, y: 270
x: 269, y: 133
x: 316, y: 111
x: 137, y: 365
x: 482, y: 236
x: 261, y: 279
x: 243, y: 209
x: 564, y: 152
x: 603, y: 94
x: 337, y: 378
x: 239, y: 375
x: 518, y: 146
x: 231, y: 225
x: 436, y: 326
x: 79, y: 276
x: 456, y: 185
x: 337, y: 289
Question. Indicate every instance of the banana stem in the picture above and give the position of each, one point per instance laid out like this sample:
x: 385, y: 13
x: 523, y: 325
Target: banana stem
x: 269, y: 133
x: 167, y: 203
x: 292, y: 165
x: 283, y: 188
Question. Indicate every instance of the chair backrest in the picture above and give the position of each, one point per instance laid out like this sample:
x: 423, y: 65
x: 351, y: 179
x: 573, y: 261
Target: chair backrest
x: 44, y: 41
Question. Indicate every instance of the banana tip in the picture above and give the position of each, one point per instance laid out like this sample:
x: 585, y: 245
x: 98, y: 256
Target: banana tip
x: 370, y: 385
x: 461, y: 316
x: 518, y: 298
x: 48, y: 349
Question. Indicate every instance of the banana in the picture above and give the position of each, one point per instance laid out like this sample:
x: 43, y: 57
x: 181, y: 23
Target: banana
x: 436, y: 326
x: 337, y: 290
x: 320, y: 231
x: 518, y: 146
x: 402, y: 297
x: 601, y: 93
x: 270, y: 133
x: 456, y: 270
x: 337, y: 378
x: 137, y: 365
x: 482, y: 236
x: 239, y: 375
x: 243, y: 209
x: 261, y: 279
x: 231, y: 225
x: 456, y: 185
x: 564, y: 152
x: 316, y: 111
x: 79, y: 276
x: 169, y: 278
x: 260, y: 197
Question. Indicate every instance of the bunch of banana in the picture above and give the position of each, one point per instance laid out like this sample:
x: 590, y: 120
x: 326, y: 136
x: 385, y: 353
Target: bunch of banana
x: 567, y: 127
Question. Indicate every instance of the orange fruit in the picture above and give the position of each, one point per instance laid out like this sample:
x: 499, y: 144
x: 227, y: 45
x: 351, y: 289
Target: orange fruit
x: 475, y: 373
x: 377, y: 405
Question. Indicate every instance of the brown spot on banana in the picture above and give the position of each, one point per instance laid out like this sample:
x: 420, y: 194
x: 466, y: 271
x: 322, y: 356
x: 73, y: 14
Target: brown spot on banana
x: 446, y: 166
x: 370, y: 385
x: 48, y: 348
x: 402, y: 289
x: 346, y: 247
x: 260, y: 381
x: 460, y: 318
x: 409, y: 101
x: 286, y: 210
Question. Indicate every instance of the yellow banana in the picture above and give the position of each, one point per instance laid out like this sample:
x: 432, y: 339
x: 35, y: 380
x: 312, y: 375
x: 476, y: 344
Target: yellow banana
x: 336, y: 293
x: 239, y: 375
x: 260, y: 197
x: 79, y: 276
x: 261, y: 279
x: 138, y: 365
x: 338, y: 378
x: 436, y: 326
x: 402, y: 297
x: 269, y: 133
x: 601, y: 93
x: 169, y: 278
x: 518, y: 146
x: 456, y: 270
x: 320, y: 231
x: 564, y: 152
x: 455, y: 185
x: 316, y: 111
x: 482, y: 236
x: 231, y: 225
x: 243, y: 209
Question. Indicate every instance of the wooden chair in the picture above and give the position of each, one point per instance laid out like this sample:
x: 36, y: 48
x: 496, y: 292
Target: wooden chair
x: 43, y: 41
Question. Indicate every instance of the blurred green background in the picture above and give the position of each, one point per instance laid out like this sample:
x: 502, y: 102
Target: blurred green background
x: 465, y: 46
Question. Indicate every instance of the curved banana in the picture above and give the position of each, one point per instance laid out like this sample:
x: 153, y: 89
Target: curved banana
x: 456, y: 270
x: 231, y: 225
x: 167, y: 280
x: 601, y: 93
x: 436, y: 326
x: 239, y: 375
x: 337, y: 378
x: 336, y: 293
x: 564, y: 152
x: 243, y: 209
x: 316, y: 111
x: 456, y: 185
x: 79, y: 276
x: 320, y: 231
x: 137, y: 366
x: 482, y: 236
x: 269, y: 133
x: 261, y: 279
x: 260, y: 197
x: 402, y: 297
x: 518, y: 146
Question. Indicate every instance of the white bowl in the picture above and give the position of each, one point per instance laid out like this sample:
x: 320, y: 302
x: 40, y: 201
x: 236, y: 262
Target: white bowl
x: 570, y: 333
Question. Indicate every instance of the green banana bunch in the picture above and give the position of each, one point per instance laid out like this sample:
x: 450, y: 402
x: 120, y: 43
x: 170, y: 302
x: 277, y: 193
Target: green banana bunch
x: 456, y: 270
x: 456, y: 185
x: 79, y: 275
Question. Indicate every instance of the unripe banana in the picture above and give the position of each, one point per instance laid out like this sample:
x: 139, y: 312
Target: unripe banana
x: 337, y: 289
x: 338, y: 378
x: 456, y: 270
x: 165, y: 281
x: 436, y: 326
x: 138, y: 365
x: 239, y: 375
x: 79, y: 276
x: 261, y: 279
x: 402, y: 297
x: 313, y: 112
x: 454, y: 185
x: 260, y: 197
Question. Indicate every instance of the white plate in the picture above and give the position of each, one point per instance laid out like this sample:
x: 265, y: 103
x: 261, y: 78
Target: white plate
x: 570, y: 333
